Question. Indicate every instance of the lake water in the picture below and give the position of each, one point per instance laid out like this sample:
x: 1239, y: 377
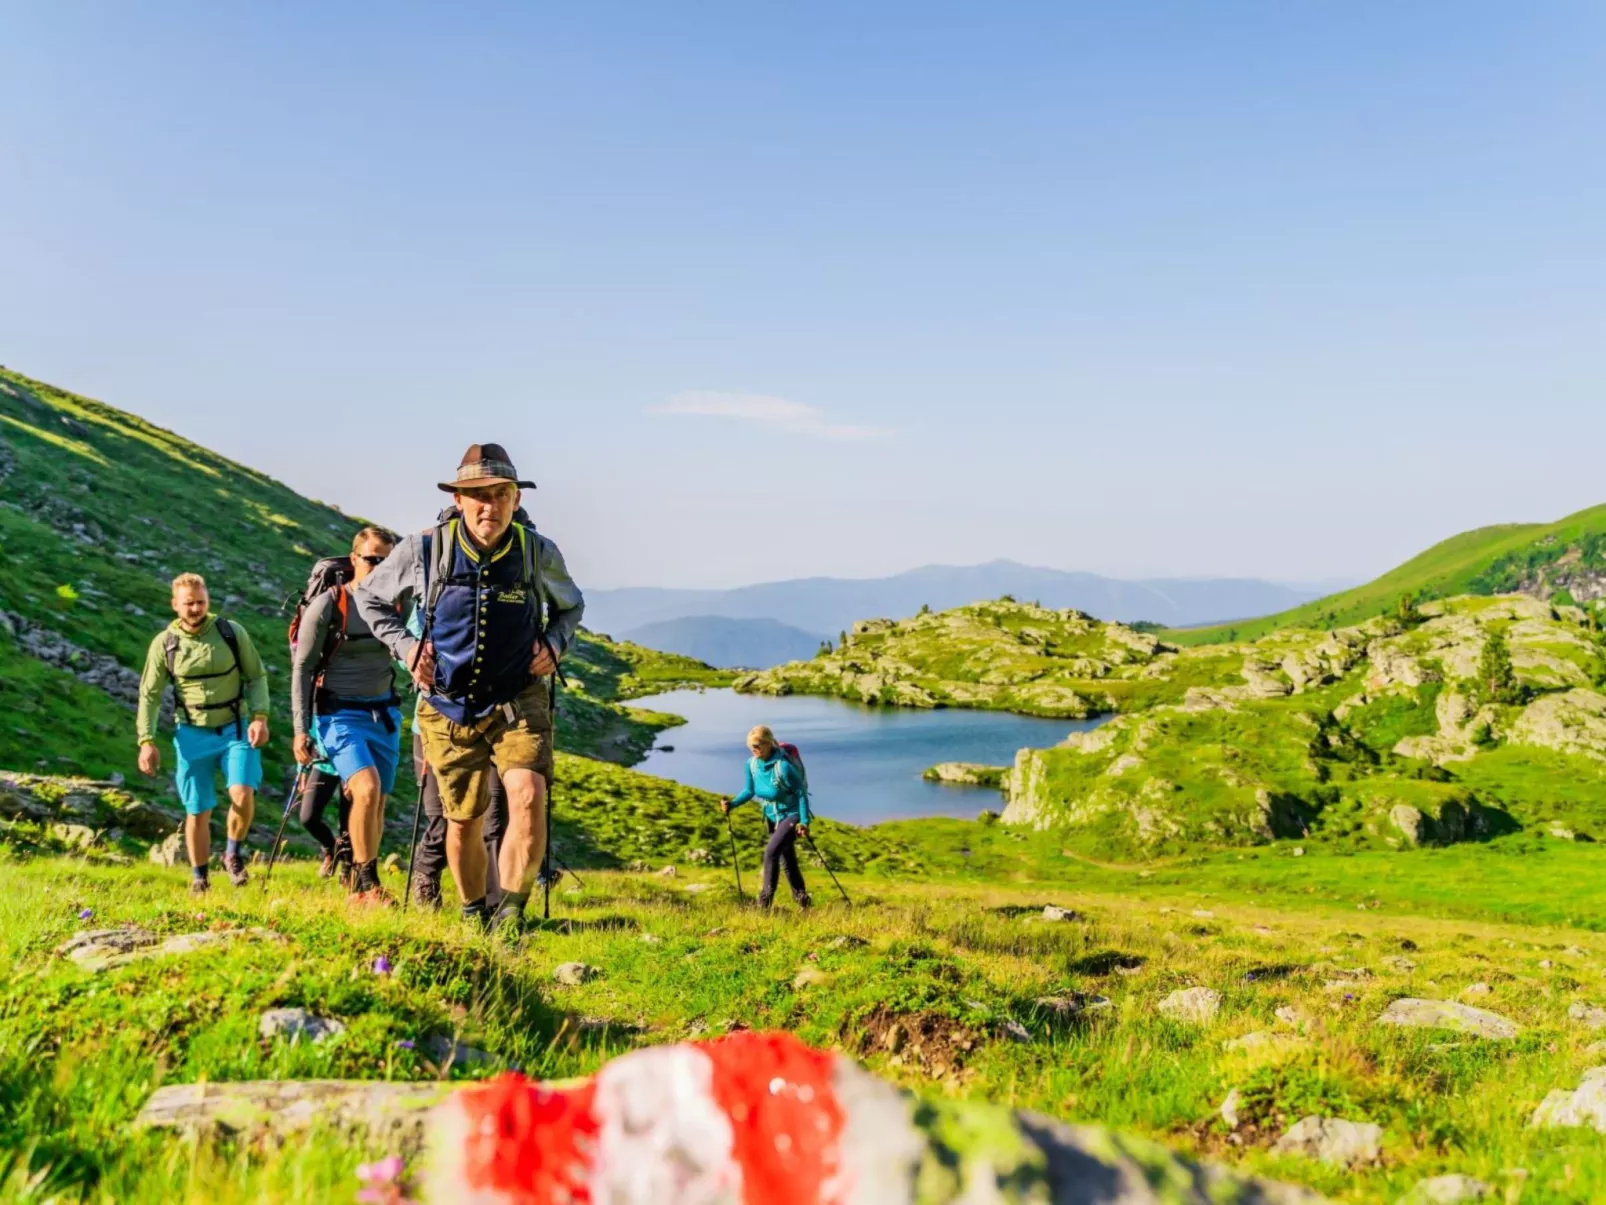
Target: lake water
x: 864, y: 763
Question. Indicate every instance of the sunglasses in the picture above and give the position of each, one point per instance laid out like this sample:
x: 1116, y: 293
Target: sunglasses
x: 373, y: 562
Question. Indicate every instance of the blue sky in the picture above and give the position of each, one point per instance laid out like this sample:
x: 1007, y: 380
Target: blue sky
x: 760, y: 290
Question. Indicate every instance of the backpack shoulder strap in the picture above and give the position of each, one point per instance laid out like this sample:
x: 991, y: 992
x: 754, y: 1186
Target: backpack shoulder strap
x: 231, y: 638
x: 170, y: 654
x: 437, y: 557
x: 530, y: 550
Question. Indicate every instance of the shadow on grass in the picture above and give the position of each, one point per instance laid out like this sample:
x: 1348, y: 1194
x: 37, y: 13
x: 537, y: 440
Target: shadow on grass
x: 1105, y: 962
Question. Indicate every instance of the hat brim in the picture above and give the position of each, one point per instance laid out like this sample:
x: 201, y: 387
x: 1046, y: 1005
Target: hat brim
x: 480, y: 483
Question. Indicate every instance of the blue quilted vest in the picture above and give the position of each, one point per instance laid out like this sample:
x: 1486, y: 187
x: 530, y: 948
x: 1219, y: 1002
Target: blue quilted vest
x: 487, y: 621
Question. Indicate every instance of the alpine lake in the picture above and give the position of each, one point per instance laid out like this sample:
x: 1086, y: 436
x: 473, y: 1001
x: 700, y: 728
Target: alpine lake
x: 864, y: 763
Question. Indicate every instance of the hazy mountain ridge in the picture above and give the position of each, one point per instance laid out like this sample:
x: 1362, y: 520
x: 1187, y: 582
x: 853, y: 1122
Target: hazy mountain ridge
x: 831, y: 605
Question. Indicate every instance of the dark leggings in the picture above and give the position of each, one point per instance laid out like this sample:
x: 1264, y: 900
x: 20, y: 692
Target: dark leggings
x: 782, y: 851
x: 317, y: 789
x: 429, y: 858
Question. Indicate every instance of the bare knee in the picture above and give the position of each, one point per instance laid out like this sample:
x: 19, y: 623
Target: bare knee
x: 364, y: 787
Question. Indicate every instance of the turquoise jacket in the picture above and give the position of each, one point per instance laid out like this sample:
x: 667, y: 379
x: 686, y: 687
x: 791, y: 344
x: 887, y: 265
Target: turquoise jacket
x: 779, y: 786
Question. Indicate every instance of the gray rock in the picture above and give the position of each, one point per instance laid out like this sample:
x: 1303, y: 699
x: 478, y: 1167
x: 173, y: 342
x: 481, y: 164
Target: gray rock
x: 380, y: 1108
x: 105, y: 949
x: 447, y: 1051
x: 1447, y: 1014
x: 171, y: 851
x: 1447, y: 1190
x: 574, y: 973
x: 1583, y: 1106
x: 1229, y: 1108
x: 1073, y: 1004
x: 1590, y: 1016
x: 668, y: 872
x: 1053, y: 912
x: 73, y: 836
x: 91, y: 946
x: 1332, y: 1140
x: 298, y: 1023
x: 1192, y: 1006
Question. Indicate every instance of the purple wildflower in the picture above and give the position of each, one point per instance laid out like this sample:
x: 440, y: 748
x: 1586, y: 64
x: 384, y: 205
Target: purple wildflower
x: 405, y: 1044
x: 382, y: 965
x: 86, y: 914
x: 383, y: 1182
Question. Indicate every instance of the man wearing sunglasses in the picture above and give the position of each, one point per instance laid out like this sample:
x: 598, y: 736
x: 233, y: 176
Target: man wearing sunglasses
x: 499, y: 611
x: 343, y: 690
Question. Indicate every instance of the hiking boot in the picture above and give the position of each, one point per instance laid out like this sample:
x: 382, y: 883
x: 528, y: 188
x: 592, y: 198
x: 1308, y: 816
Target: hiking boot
x: 199, y: 886
x: 326, y: 868
x: 373, y: 897
x: 235, y: 865
x: 507, y: 922
x: 804, y: 899
x: 427, y: 894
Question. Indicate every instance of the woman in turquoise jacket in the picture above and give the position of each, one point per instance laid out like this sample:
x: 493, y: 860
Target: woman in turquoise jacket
x: 778, y: 784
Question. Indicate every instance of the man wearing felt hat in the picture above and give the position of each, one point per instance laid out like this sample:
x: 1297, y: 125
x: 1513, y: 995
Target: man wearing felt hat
x: 498, y: 611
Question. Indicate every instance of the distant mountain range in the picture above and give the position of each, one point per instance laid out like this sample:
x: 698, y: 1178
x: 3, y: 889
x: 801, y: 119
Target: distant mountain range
x: 808, y: 610
x: 728, y: 643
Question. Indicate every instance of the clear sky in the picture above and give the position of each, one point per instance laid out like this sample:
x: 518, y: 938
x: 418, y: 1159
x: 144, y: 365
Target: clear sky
x: 755, y: 290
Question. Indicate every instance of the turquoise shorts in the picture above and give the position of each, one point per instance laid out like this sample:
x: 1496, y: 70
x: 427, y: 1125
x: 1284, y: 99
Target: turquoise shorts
x: 362, y: 740
x: 202, y: 752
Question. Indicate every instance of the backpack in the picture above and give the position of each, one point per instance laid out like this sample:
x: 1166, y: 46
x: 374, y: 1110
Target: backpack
x: 331, y: 574
x: 796, y: 758
x: 231, y: 638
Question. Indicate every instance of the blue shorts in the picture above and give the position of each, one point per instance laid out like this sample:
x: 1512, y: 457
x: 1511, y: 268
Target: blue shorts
x: 202, y: 752
x: 358, y: 740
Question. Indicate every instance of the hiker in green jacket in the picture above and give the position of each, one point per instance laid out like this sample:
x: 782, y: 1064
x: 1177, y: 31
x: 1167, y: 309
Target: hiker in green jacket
x: 220, y: 695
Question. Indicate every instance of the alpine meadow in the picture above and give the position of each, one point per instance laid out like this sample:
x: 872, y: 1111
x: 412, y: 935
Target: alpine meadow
x: 1316, y: 914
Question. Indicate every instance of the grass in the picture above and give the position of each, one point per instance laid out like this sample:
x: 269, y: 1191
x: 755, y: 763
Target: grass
x: 957, y: 956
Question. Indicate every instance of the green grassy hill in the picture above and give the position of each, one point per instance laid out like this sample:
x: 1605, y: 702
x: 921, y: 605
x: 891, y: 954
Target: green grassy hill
x: 1538, y: 558
x: 99, y: 509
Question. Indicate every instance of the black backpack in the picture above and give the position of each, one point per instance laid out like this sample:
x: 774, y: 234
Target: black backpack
x: 331, y: 574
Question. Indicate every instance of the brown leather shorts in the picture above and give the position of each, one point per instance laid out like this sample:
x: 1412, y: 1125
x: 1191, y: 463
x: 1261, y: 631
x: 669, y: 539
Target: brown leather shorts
x: 516, y: 736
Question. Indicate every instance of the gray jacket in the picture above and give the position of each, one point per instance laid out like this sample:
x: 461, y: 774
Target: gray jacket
x: 360, y: 669
x: 388, y: 595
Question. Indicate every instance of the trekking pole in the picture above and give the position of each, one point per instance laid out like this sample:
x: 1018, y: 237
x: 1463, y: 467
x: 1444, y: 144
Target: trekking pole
x: 735, y: 865
x: 412, y: 850
x: 290, y: 802
x: 809, y: 837
x: 546, y: 860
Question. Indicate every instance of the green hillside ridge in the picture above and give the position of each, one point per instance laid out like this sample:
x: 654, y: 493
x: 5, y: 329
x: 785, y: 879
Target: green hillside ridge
x: 1387, y: 734
x: 1567, y: 557
x: 1002, y: 656
x: 99, y: 509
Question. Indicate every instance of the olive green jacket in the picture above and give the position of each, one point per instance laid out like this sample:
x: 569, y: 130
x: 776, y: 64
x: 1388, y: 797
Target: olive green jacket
x: 203, y: 653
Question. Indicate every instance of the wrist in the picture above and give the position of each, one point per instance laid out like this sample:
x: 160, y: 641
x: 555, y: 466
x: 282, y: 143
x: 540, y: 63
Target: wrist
x: 259, y: 715
x: 146, y: 740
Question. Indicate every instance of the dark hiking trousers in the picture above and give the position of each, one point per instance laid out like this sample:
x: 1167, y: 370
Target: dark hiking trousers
x: 317, y: 789
x: 429, y: 859
x: 782, y: 851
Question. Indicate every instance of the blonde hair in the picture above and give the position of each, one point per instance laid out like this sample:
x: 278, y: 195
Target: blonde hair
x: 760, y: 734
x: 374, y: 532
x: 189, y: 581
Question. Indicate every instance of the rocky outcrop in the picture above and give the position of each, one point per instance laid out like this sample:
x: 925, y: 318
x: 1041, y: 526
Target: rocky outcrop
x: 1582, y: 1106
x: 93, y: 669
x: 967, y: 774
x: 1333, y: 1140
x: 102, y: 807
x: 1572, y: 722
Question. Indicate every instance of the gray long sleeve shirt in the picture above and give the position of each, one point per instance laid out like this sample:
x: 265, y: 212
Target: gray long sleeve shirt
x: 360, y: 669
x: 387, y: 596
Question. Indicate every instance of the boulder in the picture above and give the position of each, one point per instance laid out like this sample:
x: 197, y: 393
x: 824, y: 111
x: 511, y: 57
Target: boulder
x: 1054, y: 912
x: 1447, y: 1014
x: 573, y: 974
x: 1573, y: 721
x: 667, y: 1118
x: 966, y: 774
x: 1333, y: 1140
x: 105, y: 949
x: 1590, y: 1016
x: 1192, y: 1006
x: 171, y: 851
x: 1585, y: 1105
x: 298, y: 1023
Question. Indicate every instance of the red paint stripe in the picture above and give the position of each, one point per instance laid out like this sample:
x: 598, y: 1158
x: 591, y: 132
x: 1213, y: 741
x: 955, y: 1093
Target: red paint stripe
x: 785, y: 1118
x: 531, y: 1145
